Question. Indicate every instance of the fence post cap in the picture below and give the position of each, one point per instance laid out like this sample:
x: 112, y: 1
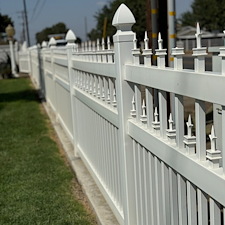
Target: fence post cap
x: 70, y: 37
x: 44, y: 44
x: 123, y: 19
x: 24, y: 46
x: 52, y: 42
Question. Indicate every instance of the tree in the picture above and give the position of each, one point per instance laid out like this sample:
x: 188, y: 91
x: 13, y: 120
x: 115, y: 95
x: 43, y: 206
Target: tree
x: 59, y: 28
x: 4, y: 22
x: 138, y: 8
x: 209, y: 13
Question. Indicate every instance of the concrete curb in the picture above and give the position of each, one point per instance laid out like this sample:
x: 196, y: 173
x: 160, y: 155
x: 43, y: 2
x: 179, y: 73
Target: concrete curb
x: 100, y: 207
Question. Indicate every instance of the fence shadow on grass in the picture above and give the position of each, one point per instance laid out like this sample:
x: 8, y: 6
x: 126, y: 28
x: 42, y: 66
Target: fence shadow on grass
x: 24, y: 95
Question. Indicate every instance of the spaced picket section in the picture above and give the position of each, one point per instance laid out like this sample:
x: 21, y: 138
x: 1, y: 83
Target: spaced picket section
x: 150, y: 161
x: 24, y: 59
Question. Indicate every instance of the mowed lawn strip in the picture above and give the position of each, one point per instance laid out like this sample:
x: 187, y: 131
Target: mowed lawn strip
x: 35, y: 182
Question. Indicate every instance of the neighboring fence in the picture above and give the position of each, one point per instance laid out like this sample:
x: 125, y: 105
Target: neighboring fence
x: 114, y: 110
x: 24, y: 59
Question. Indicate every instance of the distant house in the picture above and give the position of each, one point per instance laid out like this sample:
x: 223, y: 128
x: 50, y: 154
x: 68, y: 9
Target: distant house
x: 186, y: 38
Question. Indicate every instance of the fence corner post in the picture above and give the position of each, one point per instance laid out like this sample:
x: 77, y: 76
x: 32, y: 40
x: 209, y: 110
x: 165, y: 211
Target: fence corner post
x: 123, y: 44
x: 70, y: 38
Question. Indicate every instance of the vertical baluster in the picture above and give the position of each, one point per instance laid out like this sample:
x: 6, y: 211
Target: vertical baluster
x: 147, y: 53
x: 213, y: 155
x: 200, y: 54
x: 178, y: 107
x: 137, y: 91
x: 135, y: 51
x: 171, y: 132
x: 98, y: 51
x: 156, y: 123
x: 104, y: 58
x: 87, y: 82
x: 200, y: 118
x: 163, y: 113
x: 133, y: 108
x: 149, y: 106
x: 103, y: 90
x: 114, y: 103
x: 189, y: 139
x: 109, y: 55
x: 108, y: 43
x: 93, y: 58
x: 106, y: 88
x: 94, y: 85
x: 90, y: 83
x: 111, y: 89
x: 161, y: 53
x: 143, y: 115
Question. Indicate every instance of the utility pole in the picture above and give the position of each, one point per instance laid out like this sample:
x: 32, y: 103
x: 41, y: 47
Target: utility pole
x: 26, y: 23
x: 149, y: 21
x: 171, y: 29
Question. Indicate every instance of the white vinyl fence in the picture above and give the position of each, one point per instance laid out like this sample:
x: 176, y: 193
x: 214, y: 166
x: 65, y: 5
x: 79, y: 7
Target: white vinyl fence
x: 152, y: 166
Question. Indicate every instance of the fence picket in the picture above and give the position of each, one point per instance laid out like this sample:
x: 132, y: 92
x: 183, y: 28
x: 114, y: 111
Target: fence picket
x: 182, y: 200
x: 191, y: 202
x: 202, y: 208
x: 215, y: 214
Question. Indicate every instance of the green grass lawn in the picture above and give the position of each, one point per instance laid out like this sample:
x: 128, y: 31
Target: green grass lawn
x: 35, y: 182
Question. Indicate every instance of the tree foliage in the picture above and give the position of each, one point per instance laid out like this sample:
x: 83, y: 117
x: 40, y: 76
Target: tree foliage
x: 138, y: 8
x: 4, y: 22
x: 59, y: 28
x: 209, y: 13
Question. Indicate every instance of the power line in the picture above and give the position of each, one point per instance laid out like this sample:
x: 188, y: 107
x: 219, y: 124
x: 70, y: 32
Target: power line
x: 34, y: 9
x: 42, y: 6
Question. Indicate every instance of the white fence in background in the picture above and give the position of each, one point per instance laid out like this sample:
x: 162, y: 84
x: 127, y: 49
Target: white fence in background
x: 115, y: 111
x: 24, y: 59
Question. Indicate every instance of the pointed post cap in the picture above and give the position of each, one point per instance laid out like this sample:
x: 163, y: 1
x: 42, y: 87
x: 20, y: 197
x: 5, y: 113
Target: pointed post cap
x: 44, y: 44
x: 123, y: 19
x: 24, y: 46
x: 198, y: 35
x: 52, y: 42
x: 70, y: 37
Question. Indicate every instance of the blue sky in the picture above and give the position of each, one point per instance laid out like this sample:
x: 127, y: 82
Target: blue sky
x: 71, y: 12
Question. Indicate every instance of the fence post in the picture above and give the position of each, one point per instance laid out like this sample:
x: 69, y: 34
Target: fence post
x: 70, y: 37
x: 42, y: 59
x: 52, y: 46
x: 123, y: 44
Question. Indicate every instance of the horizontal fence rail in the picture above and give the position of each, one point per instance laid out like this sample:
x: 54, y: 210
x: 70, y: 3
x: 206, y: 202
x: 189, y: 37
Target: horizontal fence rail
x: 151, y: 136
